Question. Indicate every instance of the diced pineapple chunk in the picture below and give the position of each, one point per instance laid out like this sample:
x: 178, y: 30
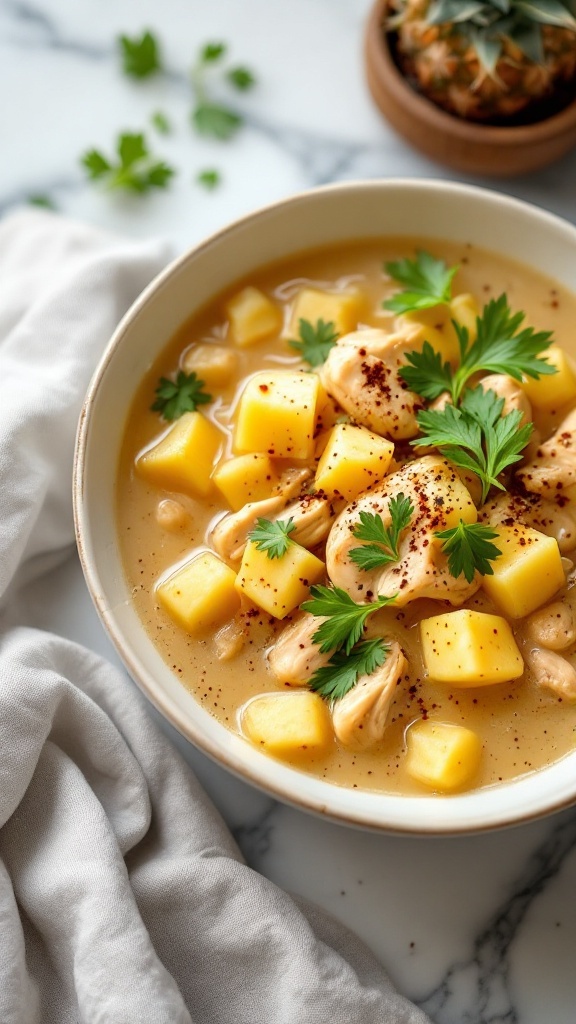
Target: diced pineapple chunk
x: 528, y: 572
x: 553, y: 389
x: 288, y: 724
x: 353, y: 460
x: 278, y: 585
x: 328, y: 412
x: 443, y: 756
x: 246, y: 478
x: 214, y: 364
x: 469, y: 648
x: 253, y: 316
x: 201, y: 594
x: 341, y: 309
x: 183, y: 459
x: 433, y: 325
x: 277, y: 414
x: 465, y: 310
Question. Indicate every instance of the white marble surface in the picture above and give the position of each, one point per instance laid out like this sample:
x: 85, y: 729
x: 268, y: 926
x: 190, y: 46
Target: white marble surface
x: 477, y: 930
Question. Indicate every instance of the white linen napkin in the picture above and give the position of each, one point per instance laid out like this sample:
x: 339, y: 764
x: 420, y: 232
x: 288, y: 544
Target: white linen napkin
x: 123, y: 897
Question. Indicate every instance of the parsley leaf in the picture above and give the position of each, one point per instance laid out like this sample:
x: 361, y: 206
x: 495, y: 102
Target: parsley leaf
x: 209, y: 179
x: 428, y: 376
x: 272, y: 537
x: 345, y: 619
x: 334, y: 680
x: 135, y: 170
x: 469, y: 549
x: 381, y: 545
x: 45, y: 202
x: 315, y: 342
x: 161, y: 122
x: 476, y: 436
x: 212, y: 52
x: 241, y: 78
x: 174, y: 398
x: 428, y: 282
x: 140, y: 56
x: 215, y: 120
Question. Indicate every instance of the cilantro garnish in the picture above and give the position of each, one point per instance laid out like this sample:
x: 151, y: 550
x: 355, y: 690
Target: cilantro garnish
x: 140, y: 56
x: 208, y: 117
x: 345, y: 620
x: 428, y: 283
x: 334, y: 680
x: 136, y: 170
x: 502, y: 345
x: 476, y: 436
x: 175, y: 397
x: 209, y: 179
x: 273, y: 537
x: 161, y: 122
x: 315, y: 341
x: 469, y: 549
x: 381, y: 542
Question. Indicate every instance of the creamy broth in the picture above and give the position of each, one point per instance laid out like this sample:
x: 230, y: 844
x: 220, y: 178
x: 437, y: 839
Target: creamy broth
x: 522, y: 727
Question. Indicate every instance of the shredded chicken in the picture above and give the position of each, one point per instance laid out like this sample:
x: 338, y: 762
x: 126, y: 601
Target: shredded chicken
x: 359, y: 718
x: 555, y: 518
x: 229, y: 640
x: 435, y: 491
x: 553, y: 469
x: 230, y: 534
x: 294, y: 658
x: 553, y: 627
x: 361, y: 373
x: 552, y: 671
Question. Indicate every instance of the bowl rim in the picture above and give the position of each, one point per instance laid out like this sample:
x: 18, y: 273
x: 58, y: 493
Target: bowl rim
x: 279, y: 778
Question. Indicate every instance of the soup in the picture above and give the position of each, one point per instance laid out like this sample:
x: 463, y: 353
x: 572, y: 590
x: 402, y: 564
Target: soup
x: 304, y: 486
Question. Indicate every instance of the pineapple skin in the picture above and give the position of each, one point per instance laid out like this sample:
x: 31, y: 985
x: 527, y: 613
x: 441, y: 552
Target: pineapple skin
x: 440, y: 62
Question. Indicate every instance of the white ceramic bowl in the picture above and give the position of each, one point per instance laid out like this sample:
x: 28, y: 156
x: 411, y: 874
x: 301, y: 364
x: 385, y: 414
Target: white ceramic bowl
x: 333, y: 214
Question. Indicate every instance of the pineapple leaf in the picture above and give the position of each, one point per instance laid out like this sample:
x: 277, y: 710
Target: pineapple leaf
x: 488, y: 51
x: 502, y: 5
x: 547, y: 12
x: 529, y: 39
x: 441, y: 11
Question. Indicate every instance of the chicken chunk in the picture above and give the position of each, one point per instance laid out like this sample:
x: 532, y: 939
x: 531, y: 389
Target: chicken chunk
x: 294, y: 657
x: 359, y: 718
x: 552, y: 671
x: 511, y: 391
x: 230, y: 534
x: 361, y: 373
x: 553, y: 627
x: 556, y: 518
x: 439, y: 499
x: 553, y: 469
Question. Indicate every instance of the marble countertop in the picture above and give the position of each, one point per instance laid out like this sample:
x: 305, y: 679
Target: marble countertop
x: 479, y: 929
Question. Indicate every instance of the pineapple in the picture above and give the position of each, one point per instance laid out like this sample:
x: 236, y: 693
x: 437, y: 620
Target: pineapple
x: 496, y: 61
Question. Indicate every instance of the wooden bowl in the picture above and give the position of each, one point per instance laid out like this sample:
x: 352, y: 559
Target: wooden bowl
x: 463, y: 145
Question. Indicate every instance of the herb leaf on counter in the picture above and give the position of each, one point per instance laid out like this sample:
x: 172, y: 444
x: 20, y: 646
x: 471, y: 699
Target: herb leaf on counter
x: 175, y: 397
x: 136, y: 170
x: 273, y: 537
x: 345, y: 619
x: 476, y: 436
x: 161, y: 122
x: 469, y: 549
x: 241, y: 78
x: 428, y: 282
x: 140, y: 56
x: 334, y: 680
x: 315, y: 341
x: 209, y: 179
x: 381, y: 542
x: 208, y: 117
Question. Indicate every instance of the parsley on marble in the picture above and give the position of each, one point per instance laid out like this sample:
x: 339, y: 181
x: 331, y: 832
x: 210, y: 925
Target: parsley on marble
x: 210, y: 117
x: 161, y: 122
x: 315, y: 341
x: 175, y: 397
x: 140, y: 55
x: 380, y: 545
x: 134, y: 169
x: 469, y: 549
x: 273, y: 537
x: 209, y: 178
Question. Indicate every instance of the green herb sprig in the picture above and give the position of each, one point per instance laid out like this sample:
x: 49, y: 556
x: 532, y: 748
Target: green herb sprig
x: 315, y: 341
x: 140, y: 55
x: 428, y: 283
x: 345, y: 619
x: 135, y: 169
x: 208, y: 117
x: 380, y: 545
x: 334, y: 680
x: 469, y: 549
x: 273, y: 537
x: 175, y: 397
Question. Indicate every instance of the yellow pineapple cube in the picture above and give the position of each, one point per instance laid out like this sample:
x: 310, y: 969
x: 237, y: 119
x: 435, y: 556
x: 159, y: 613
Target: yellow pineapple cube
x: 554, y: 389
x: 443, y: 756
x: 182, y: 460
x: 328, y: 412
x: 278, y: 585
x: 528, y: 572
x: 288, y: 724
x: 252, y: 316
x: 245, y: 478
x: 277, y: 414
x: 469, y: 648
x: 433, y: 325
x: 465, y: 310
x: 201, y: 594
x: 354, y: 459
x: 214, y: 364
x: 342, y: 309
